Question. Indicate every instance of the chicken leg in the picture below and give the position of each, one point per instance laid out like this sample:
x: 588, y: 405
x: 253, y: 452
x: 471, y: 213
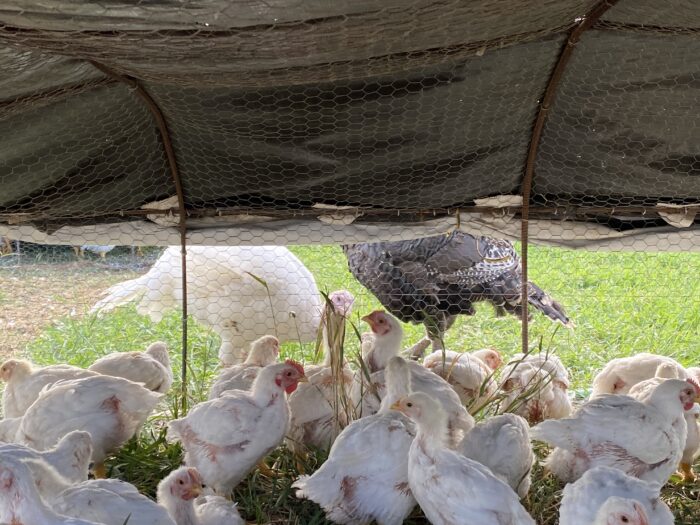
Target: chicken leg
x: 686, y: 470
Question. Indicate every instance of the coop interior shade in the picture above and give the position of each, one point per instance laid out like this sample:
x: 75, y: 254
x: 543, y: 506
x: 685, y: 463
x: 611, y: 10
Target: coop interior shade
x: 407, y: 111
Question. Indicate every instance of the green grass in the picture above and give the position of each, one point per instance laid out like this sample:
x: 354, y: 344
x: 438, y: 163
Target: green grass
x: 622, y: 303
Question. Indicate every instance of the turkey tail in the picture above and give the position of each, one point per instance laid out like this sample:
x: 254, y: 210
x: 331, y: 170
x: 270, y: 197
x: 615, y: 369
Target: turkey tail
x: 548, y: 306
x: 121, y: 293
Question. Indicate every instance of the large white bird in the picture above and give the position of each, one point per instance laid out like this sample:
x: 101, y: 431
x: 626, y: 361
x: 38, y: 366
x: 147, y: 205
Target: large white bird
x: 20, y: 502
x: 621, y: 374
x: 181, y: 494
x: 608, y: 496
x: 150, y: 368
x: 24, y: 382
x: 240, y: 292
x: 638, y: 437
x: 535, y: 386
x: 449, y: 487
x: 224, y: 438
x: 502, y: 443
x: 365, y: 477
x: 111, y: 409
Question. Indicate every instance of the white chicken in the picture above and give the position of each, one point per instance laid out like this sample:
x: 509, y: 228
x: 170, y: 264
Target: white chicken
x: 636, y: 437
x: 20, y: 502
x: 449, y: 487
x: 359, y: 483
x: 320, y: 409
x: 387, y: 342
x: 224, y: 438
x: 110, y: 502
x: 536, y: 387
x: 57, y: 468
x: 384, y: 344
x: 240, y: 292
x: 111, y: 409
x: 180, y: 493
x: 621, y: 374
x: 24, y: 382
x: 263, y: 352
x: 692, y: 443
x: 470, y: 374
x: 8, y: 429
x: 502, y: 443
x: 643, y: 390
x: 150, y: 368
x: 608, y: 496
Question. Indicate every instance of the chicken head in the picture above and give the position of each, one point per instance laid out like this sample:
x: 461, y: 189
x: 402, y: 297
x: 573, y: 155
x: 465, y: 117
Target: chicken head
x: 290, y: 376
x: 621, y: 511
x: 380, y: 322
x: 491, y: 357
x: 184, y: 483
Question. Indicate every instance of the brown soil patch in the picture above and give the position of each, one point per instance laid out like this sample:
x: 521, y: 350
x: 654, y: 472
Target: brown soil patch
x: 35, y: 296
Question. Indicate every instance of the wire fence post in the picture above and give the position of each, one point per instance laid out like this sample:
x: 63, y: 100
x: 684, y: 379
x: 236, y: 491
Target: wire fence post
x: 526, y: 188
x: 175, y: 173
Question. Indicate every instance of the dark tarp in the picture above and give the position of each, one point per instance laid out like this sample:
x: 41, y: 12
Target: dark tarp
x: 403, y: 110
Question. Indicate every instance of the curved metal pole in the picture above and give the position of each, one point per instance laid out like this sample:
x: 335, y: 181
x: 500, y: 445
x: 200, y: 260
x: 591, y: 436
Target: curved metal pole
x: 547, y: 100
x: 172, y: 163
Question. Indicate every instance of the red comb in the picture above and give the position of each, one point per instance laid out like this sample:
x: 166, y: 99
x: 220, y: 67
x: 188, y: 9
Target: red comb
x: 296, y: 365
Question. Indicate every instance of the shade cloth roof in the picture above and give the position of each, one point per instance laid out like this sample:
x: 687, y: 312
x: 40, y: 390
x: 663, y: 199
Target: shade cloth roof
x: 386, y: 118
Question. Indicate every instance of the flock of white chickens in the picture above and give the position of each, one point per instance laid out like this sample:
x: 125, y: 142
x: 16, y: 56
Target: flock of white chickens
x: 400, y: 434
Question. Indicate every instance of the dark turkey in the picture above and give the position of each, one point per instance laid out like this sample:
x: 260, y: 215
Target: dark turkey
x: 435, y: 279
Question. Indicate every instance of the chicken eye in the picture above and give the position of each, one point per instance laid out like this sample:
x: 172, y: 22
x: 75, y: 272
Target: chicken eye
x: 289, y: 374
x: 180, y: 482
x: 624, y: 519
x: 409, y: 405
x: 381, y: 321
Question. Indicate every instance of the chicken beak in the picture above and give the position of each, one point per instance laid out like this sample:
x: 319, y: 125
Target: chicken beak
x: 196, y: 492
x: 642, y: 514
x: 303, y: 379
x: 396, y: 406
